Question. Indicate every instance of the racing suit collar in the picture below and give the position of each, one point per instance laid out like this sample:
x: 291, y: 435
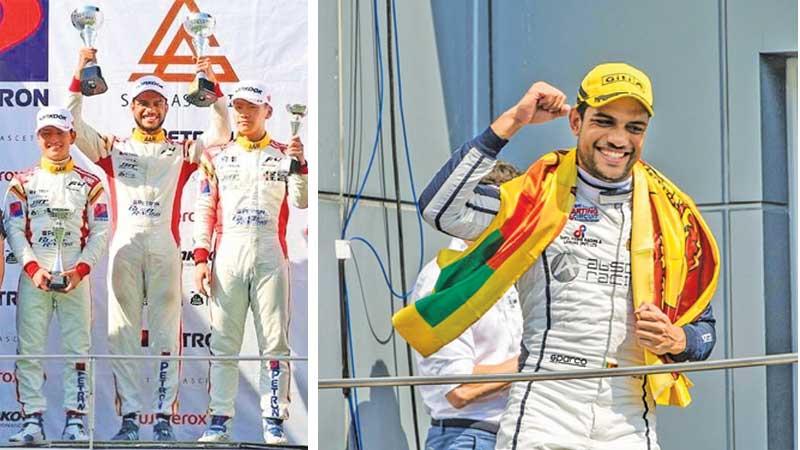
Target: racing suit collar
x: 248, y: 145
x: 57, y: 166
x: 604, y: 192
x: 141, y: 136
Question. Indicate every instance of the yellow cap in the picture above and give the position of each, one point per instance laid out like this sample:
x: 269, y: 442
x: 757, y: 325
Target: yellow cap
x: 611, y: 81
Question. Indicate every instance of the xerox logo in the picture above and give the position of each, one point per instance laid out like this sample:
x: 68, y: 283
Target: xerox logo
x: 8, y: 298
x: 23, y: 40
x: 176, y: 419
x: 179, y: 40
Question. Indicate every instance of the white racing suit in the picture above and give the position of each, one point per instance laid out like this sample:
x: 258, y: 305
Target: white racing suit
x: 243, y: 209
x: 577, y: 312
x: 146, y: 176
x: 32, y: 238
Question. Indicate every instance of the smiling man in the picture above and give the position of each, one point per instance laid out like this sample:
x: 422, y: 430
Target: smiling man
x: 146, y: 175
x: 563, y: 233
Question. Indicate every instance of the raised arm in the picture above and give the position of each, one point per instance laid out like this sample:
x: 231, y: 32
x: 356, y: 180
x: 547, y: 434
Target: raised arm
x: 219, y: 127
x: 91, y: 143
x: 454, y: 202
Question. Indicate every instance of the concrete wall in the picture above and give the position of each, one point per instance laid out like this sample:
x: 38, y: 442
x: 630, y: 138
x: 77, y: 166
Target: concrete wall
x: 719, y: 74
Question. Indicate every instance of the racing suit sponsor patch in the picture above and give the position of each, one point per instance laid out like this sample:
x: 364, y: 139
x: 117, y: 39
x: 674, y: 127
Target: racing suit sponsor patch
x: 584, y: 213
x: 101, y: 212
x: 15, y: 209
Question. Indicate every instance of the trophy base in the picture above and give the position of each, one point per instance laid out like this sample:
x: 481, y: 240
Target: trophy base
x: 58, y: 283
x: 201, y: 93
x: 92, y: 82
x: 289, y: 165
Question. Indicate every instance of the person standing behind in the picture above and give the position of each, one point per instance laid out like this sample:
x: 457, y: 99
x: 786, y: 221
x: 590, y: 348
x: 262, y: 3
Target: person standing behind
x: 243, y: 208
x: 146, y: 175
x: 467, y: 416
x: 55, y: 183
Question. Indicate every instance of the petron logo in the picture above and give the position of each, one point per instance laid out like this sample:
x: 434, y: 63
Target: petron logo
x: 195, y: 340
x: 170, y: 56
x: 8, y: 298
x: 23, y: 42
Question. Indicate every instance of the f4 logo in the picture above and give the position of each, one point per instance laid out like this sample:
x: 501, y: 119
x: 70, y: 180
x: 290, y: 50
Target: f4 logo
x: 23, y: 40
x: 170, y: 56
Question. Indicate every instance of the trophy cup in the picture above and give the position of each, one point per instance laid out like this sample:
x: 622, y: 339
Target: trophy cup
x: 200, y: 26
x: 88, y: 19
x: 59, y: 215
x: 298, y: 111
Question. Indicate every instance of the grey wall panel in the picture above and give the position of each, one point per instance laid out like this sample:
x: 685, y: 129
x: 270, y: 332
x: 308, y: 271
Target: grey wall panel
x: 560, y: 41
x: 747, y: 322
x: 704, y: 424
x: 753, y: 28
x: 426, y: 122
x: 386, y: 416
x: 461, y: 39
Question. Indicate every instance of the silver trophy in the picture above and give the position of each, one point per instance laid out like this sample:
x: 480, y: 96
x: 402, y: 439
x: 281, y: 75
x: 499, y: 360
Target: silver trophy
x: 298, y: 112
x: 58, y: 281
x: 88, y: 19
x: 200, y: 26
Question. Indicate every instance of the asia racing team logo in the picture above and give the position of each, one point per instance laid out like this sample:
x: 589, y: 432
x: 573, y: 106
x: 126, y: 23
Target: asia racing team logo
x: 584, y: 213
x: 170, y: 56
x: 579, y: 237
x: 23, y: 41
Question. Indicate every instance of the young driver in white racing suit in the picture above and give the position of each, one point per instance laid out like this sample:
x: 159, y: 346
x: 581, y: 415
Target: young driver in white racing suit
x: 242, y: 212
x: 34, y: 234
x: 576, y: 299
x: 146, y: 175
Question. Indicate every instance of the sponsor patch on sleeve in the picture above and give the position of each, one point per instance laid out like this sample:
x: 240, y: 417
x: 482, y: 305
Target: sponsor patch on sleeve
x: 101, y: 212
x: 205, y: 188
x: 15, y: 209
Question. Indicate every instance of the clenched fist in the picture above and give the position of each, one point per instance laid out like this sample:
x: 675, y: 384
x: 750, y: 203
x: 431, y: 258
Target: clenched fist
x: 542, y: 103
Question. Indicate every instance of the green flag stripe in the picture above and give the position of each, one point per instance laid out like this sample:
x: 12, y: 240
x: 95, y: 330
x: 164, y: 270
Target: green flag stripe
x: 463, y: 267
x: 436, y: 307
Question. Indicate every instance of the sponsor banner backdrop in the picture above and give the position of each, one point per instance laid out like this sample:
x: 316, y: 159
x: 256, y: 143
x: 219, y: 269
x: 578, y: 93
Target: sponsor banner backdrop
x: 38, y: 52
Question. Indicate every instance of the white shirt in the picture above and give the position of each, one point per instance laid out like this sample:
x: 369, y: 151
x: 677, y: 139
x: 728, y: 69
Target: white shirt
x: 491, y: 340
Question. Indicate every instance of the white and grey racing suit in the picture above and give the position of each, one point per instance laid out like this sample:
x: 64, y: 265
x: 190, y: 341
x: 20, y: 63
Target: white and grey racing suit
x: 146, y: 175
x: 577, y: 311
x: 243, y: 208
x: 31, y: 235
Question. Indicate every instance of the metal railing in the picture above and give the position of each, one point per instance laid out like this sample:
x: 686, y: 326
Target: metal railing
x: 92, y: 361
x: 733, y: 363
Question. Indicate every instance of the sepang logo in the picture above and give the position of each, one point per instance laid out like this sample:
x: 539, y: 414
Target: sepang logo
x: 180, y: 40
x: 23, y: 42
